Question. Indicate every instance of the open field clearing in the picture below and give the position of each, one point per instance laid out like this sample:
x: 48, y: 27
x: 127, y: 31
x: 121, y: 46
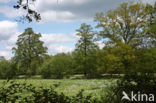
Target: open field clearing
x: 71, y: 87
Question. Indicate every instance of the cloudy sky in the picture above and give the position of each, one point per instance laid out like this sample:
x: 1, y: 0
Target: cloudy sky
x: 60, y: 19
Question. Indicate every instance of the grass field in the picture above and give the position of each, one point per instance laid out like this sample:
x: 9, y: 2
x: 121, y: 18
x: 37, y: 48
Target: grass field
x: 71, y: 87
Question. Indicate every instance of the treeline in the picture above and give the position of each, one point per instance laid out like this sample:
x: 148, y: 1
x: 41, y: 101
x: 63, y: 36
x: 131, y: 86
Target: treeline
x: 128, y: 34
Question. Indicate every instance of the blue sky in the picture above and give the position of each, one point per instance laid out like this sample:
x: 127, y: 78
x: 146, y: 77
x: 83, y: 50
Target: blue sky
x: 58, y: 24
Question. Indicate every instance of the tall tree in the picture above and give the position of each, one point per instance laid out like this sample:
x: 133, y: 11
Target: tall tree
x: 86, y: 47
x: 29, y: 51
x: 124, y: 24
x: 122, y: 28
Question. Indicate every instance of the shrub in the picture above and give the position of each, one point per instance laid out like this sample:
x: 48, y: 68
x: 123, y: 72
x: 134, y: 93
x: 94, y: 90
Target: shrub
x: 143, y: 83
x: 12, y: 92
x: 7, y: 69
x: 57, y: 67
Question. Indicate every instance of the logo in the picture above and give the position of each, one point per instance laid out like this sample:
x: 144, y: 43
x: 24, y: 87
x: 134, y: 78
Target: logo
x: 137, y: 97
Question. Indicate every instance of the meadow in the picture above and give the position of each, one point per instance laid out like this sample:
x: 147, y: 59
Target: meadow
x: 94, y: 87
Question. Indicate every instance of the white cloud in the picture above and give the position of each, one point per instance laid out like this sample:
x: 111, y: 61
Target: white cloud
x: 5, y: 53
x: 8, y: 44
x: 6, y: 1
x: 148, y: 1
x: 67, y: 10
x: 7, y: 28
x: 8, y: 37
x: 71, y: 10
x: 57, y: 48
x: 100, y: 44
x: 58, y: 38
x: 64, y: 16
x: 76, y: 10
x: 56, y: 43
x: 11, y: 12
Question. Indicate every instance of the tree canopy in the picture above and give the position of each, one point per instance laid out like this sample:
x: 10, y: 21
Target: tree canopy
x: 86, y: 48
x: 29, y: 50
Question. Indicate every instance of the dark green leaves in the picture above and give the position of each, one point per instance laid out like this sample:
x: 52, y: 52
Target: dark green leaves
x: 12, y: 92
x: 29, y: 51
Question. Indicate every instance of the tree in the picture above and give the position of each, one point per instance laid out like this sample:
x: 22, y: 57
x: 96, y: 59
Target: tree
x: 124, y: 24
x: 57, y: 67
x: 29, y: 51
x: 109, y: 60
x: 7, y: 69
x: 122, y: 28
x: 86, y: 48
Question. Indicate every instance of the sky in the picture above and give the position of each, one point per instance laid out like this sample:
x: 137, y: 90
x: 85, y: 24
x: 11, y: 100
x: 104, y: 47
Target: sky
x: 59, y: 21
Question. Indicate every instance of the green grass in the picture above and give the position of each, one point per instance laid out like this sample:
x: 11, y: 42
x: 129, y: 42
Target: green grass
x: 72, y: 87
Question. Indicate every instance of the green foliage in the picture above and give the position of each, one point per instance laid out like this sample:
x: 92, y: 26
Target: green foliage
x: 146, y: 59
x: 108, y: 62
x: 124, y: 30
x: 70, y: 87
x: 7, y: 69
x: 143, y: 83
x: 129, y: 36
x: 86, y: 50
x: 117, y: 59
x: 57, y: 67
x: 122, y: 25
x: 29, y: 51
x: 11, y: 92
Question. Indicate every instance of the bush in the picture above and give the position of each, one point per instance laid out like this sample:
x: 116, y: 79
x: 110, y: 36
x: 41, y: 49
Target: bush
x: 57, y: 67
x: 7, y: 69
x: 143, y: 83
x: 12, y: 92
